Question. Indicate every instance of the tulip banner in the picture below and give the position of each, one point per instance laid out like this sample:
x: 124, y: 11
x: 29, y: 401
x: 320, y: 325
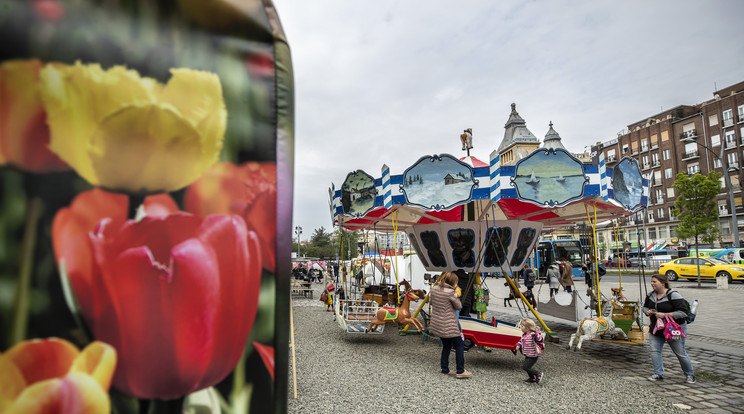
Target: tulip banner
x: 145, y: 206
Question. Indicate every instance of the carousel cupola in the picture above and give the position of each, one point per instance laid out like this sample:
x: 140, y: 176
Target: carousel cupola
x: 552, y: 139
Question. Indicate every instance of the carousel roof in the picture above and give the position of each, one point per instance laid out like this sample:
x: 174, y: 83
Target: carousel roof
x: 550, y: 186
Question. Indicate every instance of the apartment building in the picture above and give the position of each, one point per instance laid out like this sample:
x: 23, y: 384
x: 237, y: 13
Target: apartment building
x: 689, y: 139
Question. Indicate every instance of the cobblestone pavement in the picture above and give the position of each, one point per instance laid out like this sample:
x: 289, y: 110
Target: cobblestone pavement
x: 715, y: 347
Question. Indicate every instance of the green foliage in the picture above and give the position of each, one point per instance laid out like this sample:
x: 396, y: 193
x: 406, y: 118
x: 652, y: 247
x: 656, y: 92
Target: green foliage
x: 328, y: 245
x: 696, y: 208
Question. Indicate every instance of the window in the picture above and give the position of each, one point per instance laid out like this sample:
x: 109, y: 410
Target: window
x: 660, y: 214
x: 725, y: 228
x: 650, y: 216
x: 666, y: 154
x: 732, y: 158
x: 730, y: 139
x: 662, y: 232
x: 664, y: 136
x: 657, y: 177
x: 671, y: 217
x: 625, y: 149
x: 693, y: 169
x: 715, y: 140
x: 659, y: 193
x: 690, y: 150
x: 716, y: 163
x: 631, y: 235
x: 723, y: 183
x: 713, y: 120
x: 740, y: 110
x: 644, y: 145
x: 655, y: 158
x: 668, y: 173
x: 728, y: 117
x: 670, y: 192
x: 722, y: 209
x: 652, y: 233
x: 610, y: 154
x: 634, y: 147
x: 673, y: 232
x: 654, y: 141
x: 646, y: 164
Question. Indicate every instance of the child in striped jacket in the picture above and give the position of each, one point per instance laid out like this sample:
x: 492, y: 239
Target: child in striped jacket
x: 531, y: 345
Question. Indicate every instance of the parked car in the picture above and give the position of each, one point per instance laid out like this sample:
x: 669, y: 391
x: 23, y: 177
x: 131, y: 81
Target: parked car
x: 710, y: 268
x: 616, y: 262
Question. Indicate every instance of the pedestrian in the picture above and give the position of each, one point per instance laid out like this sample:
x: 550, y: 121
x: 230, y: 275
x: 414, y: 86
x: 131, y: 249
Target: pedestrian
x: 468, y: 291
x: 528, y: 276
x: 531, y: 346
x: 567, y: 275
x: 658, y: 304
x: 328, y: 290
x: 587, y: 268
x: 554, y: 277
x: 444, y: 324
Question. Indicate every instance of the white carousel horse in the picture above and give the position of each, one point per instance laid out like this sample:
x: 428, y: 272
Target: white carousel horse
x: 603, y: 325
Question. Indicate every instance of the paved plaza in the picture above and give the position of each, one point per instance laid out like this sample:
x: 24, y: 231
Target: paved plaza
x: 714, y: 344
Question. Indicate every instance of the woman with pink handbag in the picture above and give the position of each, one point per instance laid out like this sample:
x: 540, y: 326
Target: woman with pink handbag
x: 664, y: 304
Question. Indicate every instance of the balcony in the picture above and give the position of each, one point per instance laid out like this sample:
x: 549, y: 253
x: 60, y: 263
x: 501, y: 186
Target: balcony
x: 693, y: 170
x: 688, y: 135
x: 741, y: 117
x: 655, y: 163
x: 644, y: 149
x: 646, y: 166
x: 730, y: 144
x: 611, y: 159
x: 654, y: 146
x: 733, y: 166
x: 723, y: 211
x: 728, y: 122
x: 690, y: 155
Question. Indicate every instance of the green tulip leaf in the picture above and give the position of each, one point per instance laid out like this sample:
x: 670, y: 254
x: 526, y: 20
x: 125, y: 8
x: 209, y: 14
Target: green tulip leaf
x: 72, y: 302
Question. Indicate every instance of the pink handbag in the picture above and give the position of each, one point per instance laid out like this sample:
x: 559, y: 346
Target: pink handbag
x: 672, y: 330
x: 659, y: 325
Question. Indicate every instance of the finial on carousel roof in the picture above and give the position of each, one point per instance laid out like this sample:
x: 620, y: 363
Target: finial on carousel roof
x: 467, y: 140
x: 552, y: 139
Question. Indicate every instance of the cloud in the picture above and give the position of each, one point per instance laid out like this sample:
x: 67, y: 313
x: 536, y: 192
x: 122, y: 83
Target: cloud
x: 386, y: 82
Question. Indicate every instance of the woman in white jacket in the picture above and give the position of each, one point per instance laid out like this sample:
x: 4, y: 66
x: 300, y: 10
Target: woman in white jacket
x: 554, y: 278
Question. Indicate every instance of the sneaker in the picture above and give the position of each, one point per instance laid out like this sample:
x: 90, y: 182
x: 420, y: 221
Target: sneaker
x: 539, y: 378
x: 656, y: 377
x: 464, y: 374
x: 690, y: 379
x: 449, y: 374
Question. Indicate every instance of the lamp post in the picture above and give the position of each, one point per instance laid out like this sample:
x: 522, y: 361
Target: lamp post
x: 298, y: 230
x: 724, y: 167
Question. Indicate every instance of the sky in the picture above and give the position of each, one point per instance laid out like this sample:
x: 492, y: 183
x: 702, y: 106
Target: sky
x: 387, y: 82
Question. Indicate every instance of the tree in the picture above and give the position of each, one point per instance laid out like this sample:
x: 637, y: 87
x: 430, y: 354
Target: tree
x: 696, y: 208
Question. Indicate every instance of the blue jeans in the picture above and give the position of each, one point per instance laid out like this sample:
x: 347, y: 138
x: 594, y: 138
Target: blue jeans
x: 678, y: 347
x: 447, y: 345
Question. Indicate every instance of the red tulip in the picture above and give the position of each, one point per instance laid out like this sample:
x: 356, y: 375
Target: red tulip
x: 175, y: 295
x: 71, y: 229
x: 248, y: 190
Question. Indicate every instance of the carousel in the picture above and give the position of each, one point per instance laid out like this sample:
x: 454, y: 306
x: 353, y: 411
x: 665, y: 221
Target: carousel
x: 482, y: 217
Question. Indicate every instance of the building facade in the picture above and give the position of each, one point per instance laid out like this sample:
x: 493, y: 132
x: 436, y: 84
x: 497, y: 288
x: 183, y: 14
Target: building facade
x: 685, y: 139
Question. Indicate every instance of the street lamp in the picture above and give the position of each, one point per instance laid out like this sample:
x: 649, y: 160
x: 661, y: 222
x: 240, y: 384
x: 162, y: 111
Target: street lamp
x: 724, y: 167
x: 298, y: 230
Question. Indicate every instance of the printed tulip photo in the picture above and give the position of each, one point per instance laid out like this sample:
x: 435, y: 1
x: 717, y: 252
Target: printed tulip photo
x: 142, y: 253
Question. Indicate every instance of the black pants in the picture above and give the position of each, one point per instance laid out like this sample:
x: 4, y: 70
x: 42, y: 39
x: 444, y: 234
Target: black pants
x: 529, y: 362
x: 553, y: 291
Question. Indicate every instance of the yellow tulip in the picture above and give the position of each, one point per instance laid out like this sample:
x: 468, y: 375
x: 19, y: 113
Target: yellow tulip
x: 52, y: 376
x: 128, y: 133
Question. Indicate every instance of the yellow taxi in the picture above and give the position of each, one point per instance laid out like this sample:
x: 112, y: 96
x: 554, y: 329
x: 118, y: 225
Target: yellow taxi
x: 710, y: 268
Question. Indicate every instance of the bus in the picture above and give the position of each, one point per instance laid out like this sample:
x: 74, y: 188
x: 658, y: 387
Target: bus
x: 548, y: 251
